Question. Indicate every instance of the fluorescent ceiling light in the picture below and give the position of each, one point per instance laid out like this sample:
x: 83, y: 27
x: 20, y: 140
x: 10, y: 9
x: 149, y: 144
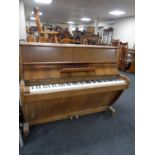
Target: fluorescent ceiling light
x: 70, y: 22
x: 117, y: 12
x: 43, y: 1
x: 40, y: 13
x: 85, y: 19
x: 32, y: 18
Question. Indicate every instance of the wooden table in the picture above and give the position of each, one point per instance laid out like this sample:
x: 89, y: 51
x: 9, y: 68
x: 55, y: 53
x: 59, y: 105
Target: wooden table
x: 50, y: 35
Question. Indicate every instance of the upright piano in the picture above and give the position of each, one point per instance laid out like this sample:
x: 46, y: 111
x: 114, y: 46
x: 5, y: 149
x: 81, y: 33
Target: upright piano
x: 59, y: 81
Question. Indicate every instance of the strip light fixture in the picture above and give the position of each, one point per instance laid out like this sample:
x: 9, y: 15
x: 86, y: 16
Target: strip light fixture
x: 70, y: 22
x: 85, y: 19
x: 43, y: 1
x: 117, y: 12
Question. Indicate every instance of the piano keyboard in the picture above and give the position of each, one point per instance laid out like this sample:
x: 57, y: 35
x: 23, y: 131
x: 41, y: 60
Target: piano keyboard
x: 57, y: 87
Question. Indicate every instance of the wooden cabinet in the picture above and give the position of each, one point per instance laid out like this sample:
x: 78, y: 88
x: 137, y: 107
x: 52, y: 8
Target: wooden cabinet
x: 90, y: 29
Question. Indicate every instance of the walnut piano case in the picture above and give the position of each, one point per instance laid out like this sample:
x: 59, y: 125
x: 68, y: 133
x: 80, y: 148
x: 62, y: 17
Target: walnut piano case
x: 44, y: 65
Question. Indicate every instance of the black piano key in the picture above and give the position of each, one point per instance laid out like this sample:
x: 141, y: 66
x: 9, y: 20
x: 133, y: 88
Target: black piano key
x: 93, y: 81
x: 114, y: 79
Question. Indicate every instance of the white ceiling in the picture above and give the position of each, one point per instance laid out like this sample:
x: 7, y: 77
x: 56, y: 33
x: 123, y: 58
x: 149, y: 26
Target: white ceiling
x: 61, y: 11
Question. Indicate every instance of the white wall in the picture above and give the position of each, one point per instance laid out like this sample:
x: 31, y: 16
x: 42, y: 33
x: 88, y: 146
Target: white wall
x: 124, y: 30
x: 32, y: 23
x: 104, y: 24
x: 22, y: 28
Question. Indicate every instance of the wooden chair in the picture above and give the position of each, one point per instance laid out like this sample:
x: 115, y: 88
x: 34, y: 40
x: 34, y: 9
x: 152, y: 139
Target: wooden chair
x: 132, y: 64
x: 123, y: 56
x: 43, y: 39
x: 115, y: 43
x: 67, y: 41
x: 30, y: 38
x: 132, y: 56
x: 85, y: 41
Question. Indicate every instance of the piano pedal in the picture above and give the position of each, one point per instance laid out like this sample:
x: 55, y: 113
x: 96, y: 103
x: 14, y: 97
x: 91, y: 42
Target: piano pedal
x: 112, y: 110
x: 77, y: 116
x: 71, y: 117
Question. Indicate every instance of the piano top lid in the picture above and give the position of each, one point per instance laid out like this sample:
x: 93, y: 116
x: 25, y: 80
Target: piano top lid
x: 65, y: 45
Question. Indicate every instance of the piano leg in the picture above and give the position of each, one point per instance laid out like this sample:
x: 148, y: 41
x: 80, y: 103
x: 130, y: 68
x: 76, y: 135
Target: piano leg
x: 112, y: 110
x: 26, y: 129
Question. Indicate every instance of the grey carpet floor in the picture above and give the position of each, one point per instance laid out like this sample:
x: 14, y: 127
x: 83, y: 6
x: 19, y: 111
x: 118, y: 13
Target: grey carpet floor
x: 96, y: 134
